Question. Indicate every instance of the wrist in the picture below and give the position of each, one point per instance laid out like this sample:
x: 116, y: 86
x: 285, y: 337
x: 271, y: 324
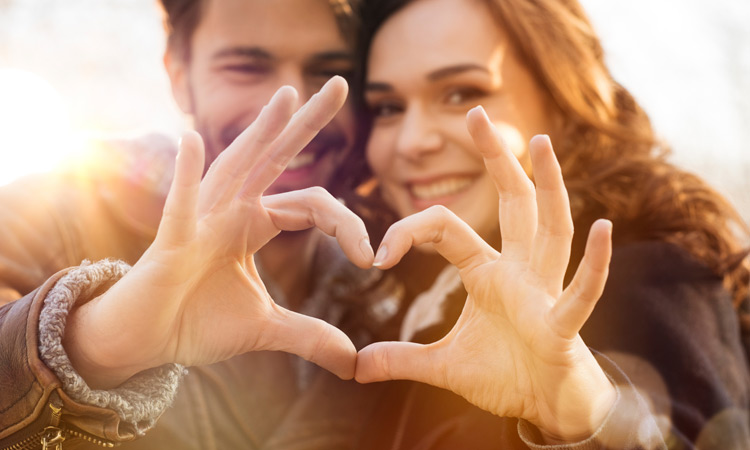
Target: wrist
x: 593, y: 411
x: 90, y: 355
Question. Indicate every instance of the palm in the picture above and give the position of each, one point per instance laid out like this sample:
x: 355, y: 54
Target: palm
x: 215, y: 279
x: 515, y: 350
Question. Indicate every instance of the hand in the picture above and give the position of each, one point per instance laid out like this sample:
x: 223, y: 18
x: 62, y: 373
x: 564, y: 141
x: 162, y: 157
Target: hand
x: 195, y: 296
x: 515, y: 350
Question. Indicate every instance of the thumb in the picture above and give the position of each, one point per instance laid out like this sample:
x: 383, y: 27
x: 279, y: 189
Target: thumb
x: 383, y: 361
x: 314, y: 340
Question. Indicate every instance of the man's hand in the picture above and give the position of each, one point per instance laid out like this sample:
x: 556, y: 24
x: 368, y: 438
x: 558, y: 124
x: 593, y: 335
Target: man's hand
x: 195, y: 296
x: 515, y: 350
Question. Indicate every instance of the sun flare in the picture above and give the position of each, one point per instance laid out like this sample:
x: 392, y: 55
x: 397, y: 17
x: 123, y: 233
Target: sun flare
x: 35, y: 132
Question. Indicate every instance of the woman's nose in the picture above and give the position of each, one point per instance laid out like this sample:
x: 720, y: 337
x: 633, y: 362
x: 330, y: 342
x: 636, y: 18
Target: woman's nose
x: 419, y: 134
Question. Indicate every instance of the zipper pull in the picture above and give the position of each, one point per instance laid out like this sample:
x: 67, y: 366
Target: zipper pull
x: 52, y: 438
x: 56, y: 413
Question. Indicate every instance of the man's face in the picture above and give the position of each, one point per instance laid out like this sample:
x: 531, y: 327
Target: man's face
x: 242, y: 51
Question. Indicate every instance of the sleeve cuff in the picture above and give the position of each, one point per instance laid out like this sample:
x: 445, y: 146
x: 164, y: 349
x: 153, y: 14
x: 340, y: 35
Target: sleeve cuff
x: 630, y: 424
x: 142, y: 398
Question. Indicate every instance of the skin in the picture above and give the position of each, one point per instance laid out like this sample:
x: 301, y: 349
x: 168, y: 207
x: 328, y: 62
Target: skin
x: 236, y: 65
x: 515, y: 350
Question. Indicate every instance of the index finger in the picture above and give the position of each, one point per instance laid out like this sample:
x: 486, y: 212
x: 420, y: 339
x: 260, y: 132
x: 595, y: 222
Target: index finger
x: 315, y: 207
x: 450, y: 236
x: 301, y: 129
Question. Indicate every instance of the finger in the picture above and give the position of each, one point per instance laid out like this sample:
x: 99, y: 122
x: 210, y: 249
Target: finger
x: 518, y: 212
x: 384, y: 361
x: 302, y: 128
x: 574, y: 307
x: 315, y: 207
x: 551, y: 250
x: 180, y: 210
x: 312, y: 339
x: 450, y: 236
x: 230, y: 170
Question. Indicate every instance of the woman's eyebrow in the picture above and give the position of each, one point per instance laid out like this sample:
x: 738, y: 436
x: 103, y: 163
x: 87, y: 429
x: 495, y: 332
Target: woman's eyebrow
x: 378, y: 87
x: 453, y: 70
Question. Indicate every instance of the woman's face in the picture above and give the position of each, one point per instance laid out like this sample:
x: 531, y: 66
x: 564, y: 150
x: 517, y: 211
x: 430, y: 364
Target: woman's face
x: 429, y: 64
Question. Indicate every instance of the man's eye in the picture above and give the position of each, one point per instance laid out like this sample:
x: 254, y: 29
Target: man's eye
x: 460, y: 96
x: 327, y: 74
x: 250, y: 69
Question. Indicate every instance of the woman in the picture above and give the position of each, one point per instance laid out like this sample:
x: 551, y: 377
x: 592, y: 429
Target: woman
x: 665, y: 317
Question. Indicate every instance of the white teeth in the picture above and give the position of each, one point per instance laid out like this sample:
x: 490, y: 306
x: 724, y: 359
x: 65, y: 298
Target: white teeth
x: 300, y: 161
x: 442, y: 188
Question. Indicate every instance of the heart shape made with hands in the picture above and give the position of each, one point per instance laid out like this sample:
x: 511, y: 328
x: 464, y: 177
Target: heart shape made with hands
x: 195, y: 296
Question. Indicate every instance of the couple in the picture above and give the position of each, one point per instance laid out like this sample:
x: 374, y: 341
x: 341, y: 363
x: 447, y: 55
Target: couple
x: 659, y: 363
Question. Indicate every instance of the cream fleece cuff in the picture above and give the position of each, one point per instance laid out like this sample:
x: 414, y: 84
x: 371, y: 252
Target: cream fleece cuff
x: 142, y: 398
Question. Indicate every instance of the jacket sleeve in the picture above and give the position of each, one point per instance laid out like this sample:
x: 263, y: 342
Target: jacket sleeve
x: 630, y: 424
x: 669, y: 324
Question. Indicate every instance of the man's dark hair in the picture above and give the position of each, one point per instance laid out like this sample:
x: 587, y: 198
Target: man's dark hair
x: 181, y: 18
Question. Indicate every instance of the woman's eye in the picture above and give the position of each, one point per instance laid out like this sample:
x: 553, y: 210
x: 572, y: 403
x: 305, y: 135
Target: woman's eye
x: 462, y: 95
x: 386, y: 109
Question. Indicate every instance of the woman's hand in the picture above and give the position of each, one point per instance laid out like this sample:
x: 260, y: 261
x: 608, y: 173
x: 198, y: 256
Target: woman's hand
x: 195, y: 296
x: 515, y: 350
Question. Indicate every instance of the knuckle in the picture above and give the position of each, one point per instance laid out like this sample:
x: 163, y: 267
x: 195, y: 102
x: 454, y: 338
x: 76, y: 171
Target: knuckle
x: 318, y: 195
x: 440, y: 211
x: 384, y: 361
x: 556, y: 231
x: 321, y: 343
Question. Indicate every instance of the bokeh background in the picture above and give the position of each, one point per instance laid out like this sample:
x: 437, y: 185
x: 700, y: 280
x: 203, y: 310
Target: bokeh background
x: 72, y: 70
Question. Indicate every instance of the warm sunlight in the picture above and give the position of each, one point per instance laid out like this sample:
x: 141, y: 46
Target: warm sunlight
x: 35, y: 129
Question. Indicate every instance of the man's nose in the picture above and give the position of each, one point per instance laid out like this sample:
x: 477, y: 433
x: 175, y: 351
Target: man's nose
x: 296, y: 79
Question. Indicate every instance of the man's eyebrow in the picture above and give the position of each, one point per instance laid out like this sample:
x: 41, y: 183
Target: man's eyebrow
x: 453, y: 70
x: 247, y: 52
x: 332, y: 56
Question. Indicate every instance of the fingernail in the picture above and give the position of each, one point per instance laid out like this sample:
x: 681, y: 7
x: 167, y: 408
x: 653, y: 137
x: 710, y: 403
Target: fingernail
x: 483, y: 112
x: 380, y: 257
x: 479, y: 110
x: 366, y: 248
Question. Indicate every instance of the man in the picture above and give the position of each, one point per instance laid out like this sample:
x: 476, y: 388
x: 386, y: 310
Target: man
x: 194, y: 297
